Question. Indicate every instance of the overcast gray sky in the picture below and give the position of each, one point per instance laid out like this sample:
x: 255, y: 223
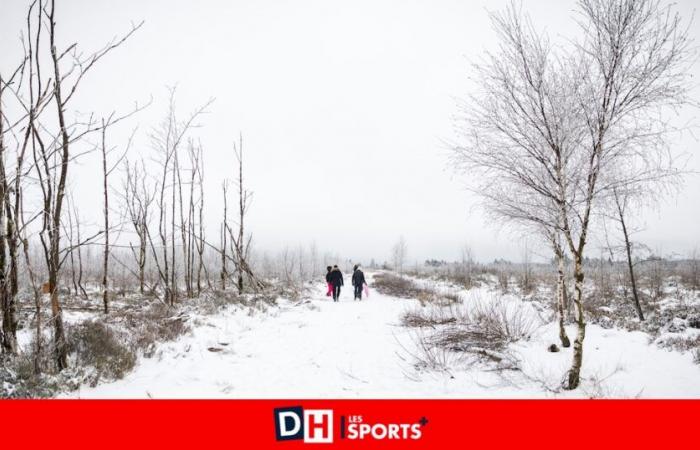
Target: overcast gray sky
x: 344, y: 108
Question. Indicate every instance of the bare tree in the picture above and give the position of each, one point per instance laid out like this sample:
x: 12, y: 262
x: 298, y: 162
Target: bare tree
x: 11, y: 189
x: 622, y: 202
x: 398, y: 254
x: 74, y: 239
x: 200, y: 239
x: 138, y: 197
x: 241, y: 246
x: 106, y: 171
x: 224, y: 234
x: 166, y: 140
x: 556, y: 129
x: 633, y: 65
x: 105, y: 193
x: 8, y: 290
x: 240, y: 242
x: 53, y: 156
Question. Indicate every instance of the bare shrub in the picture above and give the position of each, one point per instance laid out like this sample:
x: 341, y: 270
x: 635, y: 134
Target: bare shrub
x: 434, y: 357
x: 654, y: 273
x: 451, y: 298
x: 153, y: 324
x: 18, y: 380
x: 681, y: 343
x: 396, y: 286
x: 431, y: 317
x: 482, y: 328
x: 94, y: 345
x: 213, y: 302
x: 495, y: 322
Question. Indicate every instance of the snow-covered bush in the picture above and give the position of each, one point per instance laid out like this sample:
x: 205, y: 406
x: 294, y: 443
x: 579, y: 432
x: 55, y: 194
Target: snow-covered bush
x: 390, y: 284
x: 430, y: 317
x: 396, y: 286
x: 149, y: 326
x: 100, y: 351
x: 483, y: 326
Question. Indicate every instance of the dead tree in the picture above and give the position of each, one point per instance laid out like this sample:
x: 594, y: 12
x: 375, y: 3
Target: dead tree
x: 105, y: 193
x: 8, y: 333
x: 224, y: 234
x: 138, y: 198
x: 73, y: 234
x: 32, y: 95
x: 183, y: 226
x: 52, y: 157
x: 200, y: 239
x: 188, y: 222
x: 10, y: 189
x: 241, y: 244
x: 106, y: 171
x: 166, y: 140
x: 195, y: 221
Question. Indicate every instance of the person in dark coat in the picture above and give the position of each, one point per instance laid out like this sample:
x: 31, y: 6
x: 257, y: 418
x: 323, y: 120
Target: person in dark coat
x: 328, y: 281
x: 336, y: 278
x: 358, y: 281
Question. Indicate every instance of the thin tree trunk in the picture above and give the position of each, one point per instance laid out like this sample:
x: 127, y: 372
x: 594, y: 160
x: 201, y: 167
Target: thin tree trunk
x: 142, y: 262
x: 105, y: 263
x: 173, y: 287
x: 224, y: 232
x: 241, y: 216
x: 72, y: 255
x: 79, y: 251
x: 177, y: 182
x: 200, y: 247
x: 561, y: 292
x: 37, y: 307
x: 630, y: 265
x: 60, y: 352
x: 9, y: 322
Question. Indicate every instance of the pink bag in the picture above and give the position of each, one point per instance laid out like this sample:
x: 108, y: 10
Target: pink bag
x: 366, y: 291
x: 330, y: 290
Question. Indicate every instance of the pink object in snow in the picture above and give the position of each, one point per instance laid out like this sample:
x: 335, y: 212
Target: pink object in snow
x: 330, y: 290
x: 366, y: 291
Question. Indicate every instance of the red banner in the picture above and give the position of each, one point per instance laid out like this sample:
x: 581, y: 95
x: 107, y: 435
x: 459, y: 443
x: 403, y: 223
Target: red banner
x: 293, y: 424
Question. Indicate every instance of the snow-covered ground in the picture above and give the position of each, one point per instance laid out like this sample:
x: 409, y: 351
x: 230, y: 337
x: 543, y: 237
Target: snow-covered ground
x: 321, y: 349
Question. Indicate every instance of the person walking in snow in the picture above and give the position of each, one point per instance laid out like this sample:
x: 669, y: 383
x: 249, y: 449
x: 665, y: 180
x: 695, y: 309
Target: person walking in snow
x: 358, y: 281
x: 328, y: 281
x: 336, y: 277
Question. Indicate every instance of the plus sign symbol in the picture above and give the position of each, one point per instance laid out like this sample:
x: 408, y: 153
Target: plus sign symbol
x: 423, y: 421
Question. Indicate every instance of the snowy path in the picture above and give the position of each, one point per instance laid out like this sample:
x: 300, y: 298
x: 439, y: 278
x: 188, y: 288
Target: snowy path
x: 321, y: 349
x: 318, y: 348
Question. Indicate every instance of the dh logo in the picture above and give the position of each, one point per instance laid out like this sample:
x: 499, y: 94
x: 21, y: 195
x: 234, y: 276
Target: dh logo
x: 314, y: 426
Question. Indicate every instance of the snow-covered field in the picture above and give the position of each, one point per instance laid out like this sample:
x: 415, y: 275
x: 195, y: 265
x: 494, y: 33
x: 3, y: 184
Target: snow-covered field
x: 317, y: 348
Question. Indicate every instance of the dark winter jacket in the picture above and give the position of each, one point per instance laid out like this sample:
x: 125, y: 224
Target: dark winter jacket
x: 358, y: 278
x: 328, y: 276
x: 336, y: 277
